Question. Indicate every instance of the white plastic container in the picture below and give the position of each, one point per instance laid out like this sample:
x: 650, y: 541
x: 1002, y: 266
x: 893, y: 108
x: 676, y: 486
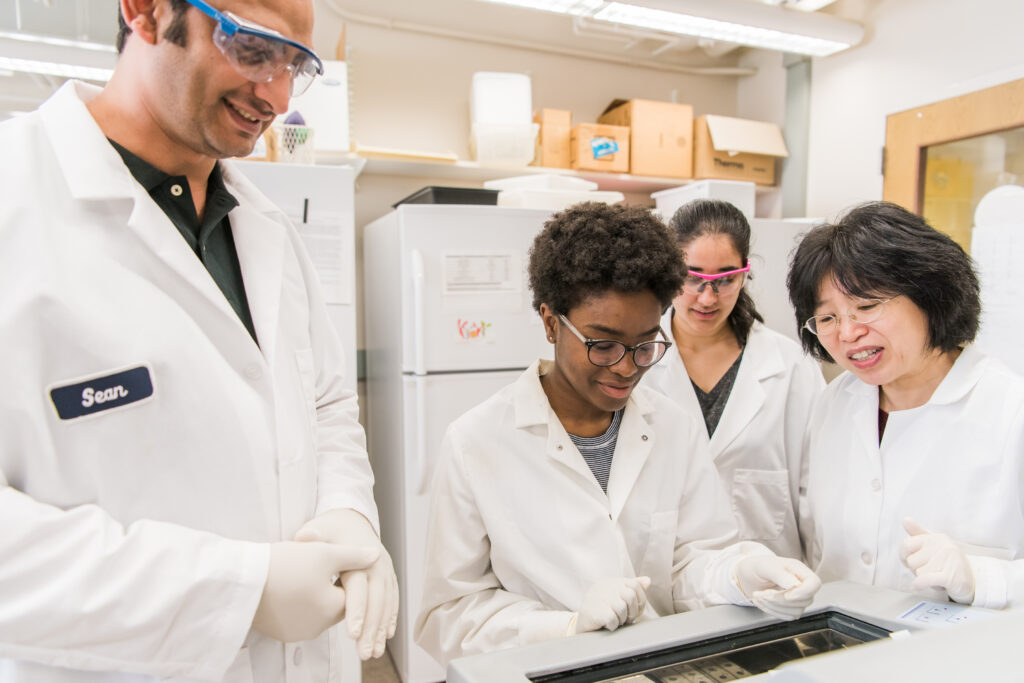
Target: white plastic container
x: 499, y: 97
x: 495, y: 144
x: 554, y: 200
x: 325, y: 107
x: 739, y: 193
x: 541, y: 181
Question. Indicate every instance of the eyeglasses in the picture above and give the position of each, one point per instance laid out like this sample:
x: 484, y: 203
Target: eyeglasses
x: 864, y: 313
x: 606, y: 352
x: 261, y: 54
x: 721, y: 283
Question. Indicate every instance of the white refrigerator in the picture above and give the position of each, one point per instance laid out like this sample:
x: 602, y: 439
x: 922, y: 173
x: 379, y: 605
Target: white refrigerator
x: 449, y: 322
x: 319, y: 201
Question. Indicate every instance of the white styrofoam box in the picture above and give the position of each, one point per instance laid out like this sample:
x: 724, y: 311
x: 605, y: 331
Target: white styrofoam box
x: 507, y: 144
x: 740, y: 194
x: 555, y: 200
x: 499, y: 97
x: 325, y: 107
x: 541, y: 181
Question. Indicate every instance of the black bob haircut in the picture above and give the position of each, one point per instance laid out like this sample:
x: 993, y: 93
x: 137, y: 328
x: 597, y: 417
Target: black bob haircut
x: 715, y: 217
x: 590, y: 248
x: 881, y: 250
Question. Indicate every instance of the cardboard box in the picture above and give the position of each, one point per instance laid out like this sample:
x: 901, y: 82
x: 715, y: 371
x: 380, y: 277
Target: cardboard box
x: 553, y: 141
x: 599, y: 147
x: 660, y: 139
x: 736, y: 149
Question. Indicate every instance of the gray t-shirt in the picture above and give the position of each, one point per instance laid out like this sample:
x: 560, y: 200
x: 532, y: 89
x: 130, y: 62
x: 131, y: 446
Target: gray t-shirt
x: 712, y: 403
x: 597, y: 450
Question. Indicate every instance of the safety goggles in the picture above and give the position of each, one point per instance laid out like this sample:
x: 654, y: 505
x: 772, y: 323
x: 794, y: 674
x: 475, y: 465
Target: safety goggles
x: 261, y: 54
x: 721, y: 283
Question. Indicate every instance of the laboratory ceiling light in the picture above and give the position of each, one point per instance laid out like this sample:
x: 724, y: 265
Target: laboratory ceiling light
x: 37, y: 66
x: 732, y: 21
x: 54, y: 56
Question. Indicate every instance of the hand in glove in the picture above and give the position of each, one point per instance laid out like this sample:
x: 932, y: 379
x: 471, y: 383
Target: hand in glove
x: 937, y: 562
x: 300, y: 599
x: 781, y: 586
x: 609, y: 603
x: 372, y: 591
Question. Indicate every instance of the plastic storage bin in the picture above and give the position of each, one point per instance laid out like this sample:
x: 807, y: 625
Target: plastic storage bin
x: 498, y: 97
x: 435, y: 194
x: 739, y: 193
x: 509, y: 144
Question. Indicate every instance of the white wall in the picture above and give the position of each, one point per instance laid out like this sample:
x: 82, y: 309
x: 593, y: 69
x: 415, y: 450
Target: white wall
x: 412, y: 91
x: 916, y: 52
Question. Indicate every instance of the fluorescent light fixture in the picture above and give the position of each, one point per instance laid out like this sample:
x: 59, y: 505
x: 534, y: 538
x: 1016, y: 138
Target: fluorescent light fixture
x: 35, y: 66
x: 56, y: 41
x: 53, y: 56
x: 732, y: 21
x: 730, y: 32
x: 574, y: 7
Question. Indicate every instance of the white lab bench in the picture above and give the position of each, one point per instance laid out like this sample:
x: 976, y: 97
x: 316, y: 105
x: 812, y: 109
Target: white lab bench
x: 933, y: 641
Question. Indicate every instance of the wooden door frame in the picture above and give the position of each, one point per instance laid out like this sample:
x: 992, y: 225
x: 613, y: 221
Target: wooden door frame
x: 909, y: 132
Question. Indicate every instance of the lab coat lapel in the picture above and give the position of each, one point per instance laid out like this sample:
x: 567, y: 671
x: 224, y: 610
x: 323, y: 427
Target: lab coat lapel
x: 532, y: 410
x: 97, y: 176
x: 759, y: 363
x: 633, y: 448
x: 865, y: 418
x: 259, y: 241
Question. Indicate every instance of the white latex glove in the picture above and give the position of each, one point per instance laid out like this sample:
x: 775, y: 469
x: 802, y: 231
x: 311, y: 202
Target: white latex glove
x: 609, y: 603
x: 300, y: 599
x: 780, y: 586
x: 372, y: 592
x: 937, y: 562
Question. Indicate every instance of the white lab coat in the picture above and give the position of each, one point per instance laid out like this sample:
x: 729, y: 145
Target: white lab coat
x: 520, y: 528
x: 955, y: 464
x: 757, y: 446
x: 132, y: 540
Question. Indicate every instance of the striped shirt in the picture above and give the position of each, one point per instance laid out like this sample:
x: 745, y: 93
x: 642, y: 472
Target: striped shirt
x: 597, y: 450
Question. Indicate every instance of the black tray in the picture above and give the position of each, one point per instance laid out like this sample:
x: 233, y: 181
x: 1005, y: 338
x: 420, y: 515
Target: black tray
x: 451, y: 195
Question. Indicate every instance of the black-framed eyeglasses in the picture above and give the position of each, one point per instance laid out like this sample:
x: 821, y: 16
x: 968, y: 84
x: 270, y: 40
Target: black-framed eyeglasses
x: 606, y: 352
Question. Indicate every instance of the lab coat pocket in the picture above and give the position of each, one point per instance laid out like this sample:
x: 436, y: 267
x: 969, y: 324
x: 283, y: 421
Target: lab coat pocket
x: 760, y: 499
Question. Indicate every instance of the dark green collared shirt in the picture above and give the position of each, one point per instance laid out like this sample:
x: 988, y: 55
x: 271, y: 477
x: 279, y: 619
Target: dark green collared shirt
x: 211, y: 238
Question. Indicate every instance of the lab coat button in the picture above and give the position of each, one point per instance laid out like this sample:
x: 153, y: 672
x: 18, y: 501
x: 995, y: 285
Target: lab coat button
x: 297, y: 657
x: 176, y: 190
x: 865, y: 557
x: 253, y: 372
x: 558, y: 447
x: 644, y: 437
x: 876, y: 485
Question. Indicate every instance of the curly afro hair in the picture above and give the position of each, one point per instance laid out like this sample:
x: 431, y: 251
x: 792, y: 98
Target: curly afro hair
x: 592, y: 248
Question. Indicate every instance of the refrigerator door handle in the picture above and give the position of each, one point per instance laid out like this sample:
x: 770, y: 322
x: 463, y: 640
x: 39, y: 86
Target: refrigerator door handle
x: 420, y: 479
x: 418, y: 305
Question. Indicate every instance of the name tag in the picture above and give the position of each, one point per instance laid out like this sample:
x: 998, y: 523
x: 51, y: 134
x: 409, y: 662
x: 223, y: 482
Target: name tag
x: 102, y: 393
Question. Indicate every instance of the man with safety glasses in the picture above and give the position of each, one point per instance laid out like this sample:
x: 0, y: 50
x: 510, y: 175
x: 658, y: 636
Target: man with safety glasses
x: 184, y: 485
